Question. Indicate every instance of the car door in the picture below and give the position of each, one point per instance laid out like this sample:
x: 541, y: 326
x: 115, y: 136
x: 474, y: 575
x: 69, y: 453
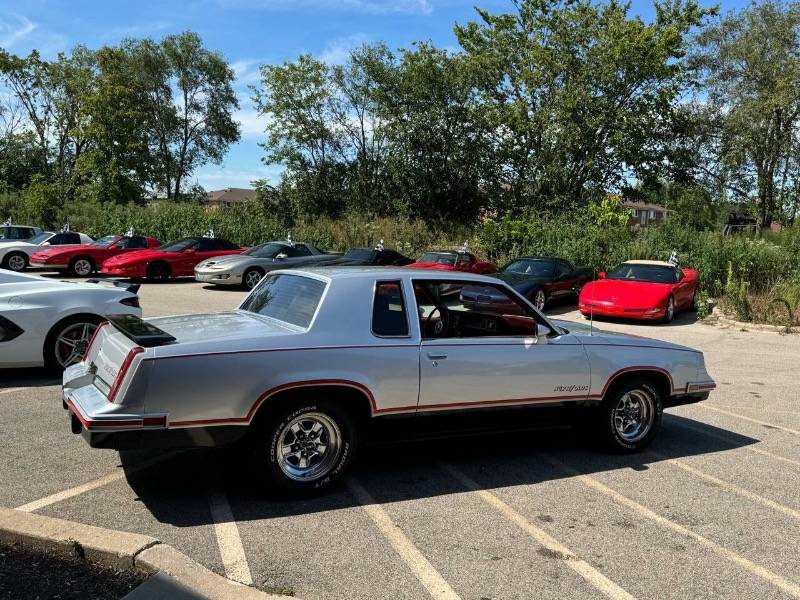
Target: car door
x: 683, y: 289
x: 484, y: 352
x: 565, y: 279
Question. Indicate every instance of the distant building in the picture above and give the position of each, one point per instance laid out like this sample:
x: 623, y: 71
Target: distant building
x: 229, y: 196
x: 645, y: 214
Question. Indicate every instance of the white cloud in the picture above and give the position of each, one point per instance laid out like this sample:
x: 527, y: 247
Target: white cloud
x: 379, y: 7
x: 251, y: 122
x: 338, y: 50
x: 15, y: 30
x: 247, y: 72
x: 223, y: 178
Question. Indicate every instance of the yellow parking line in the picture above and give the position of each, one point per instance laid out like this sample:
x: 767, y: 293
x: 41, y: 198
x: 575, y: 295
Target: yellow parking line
x: 749, y: 448
x: 594, y: 577
x: 424, y: 571
x: 231, y: 550
x: 789, y: 587
x: 731, y: 487
x: 756, y: 421
x: 88, y: 486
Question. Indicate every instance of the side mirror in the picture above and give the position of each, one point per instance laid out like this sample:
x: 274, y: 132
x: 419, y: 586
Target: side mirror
x: 601, y: 274
x: 281, y: 255
x: 189, y: 251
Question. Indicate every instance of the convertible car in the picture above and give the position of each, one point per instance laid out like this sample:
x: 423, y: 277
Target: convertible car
x: 451, y: 260
x: 175, y: 259
x: 542, y: 279
x: 647, y: 290
x: 379, y: 256
x: 49, y: 322
x: 16, y: 257
x: 247, y: 269
x: 313, y: 358
x: 85, y: 259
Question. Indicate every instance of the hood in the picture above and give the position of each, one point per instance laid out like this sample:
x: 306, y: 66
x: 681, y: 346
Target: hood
x: 219, y: 327
x: 628, y: 294
x: 233, y: 260
x: 520, y: 279
x: 589, y: 334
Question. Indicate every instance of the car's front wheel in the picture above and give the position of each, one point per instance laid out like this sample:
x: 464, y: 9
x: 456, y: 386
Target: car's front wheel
x: 669, y: 312
x: 158, y: 271
x: 630, y: 415
x: 15, y: 261
x: 251, y: 278
x: 309, y: 445
x: 82, y: 266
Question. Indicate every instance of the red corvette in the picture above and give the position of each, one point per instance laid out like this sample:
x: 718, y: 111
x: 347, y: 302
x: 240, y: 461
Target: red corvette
x: 83, y: 260
x: 641, y: 289
x: 176, y: 259
x: 450, y: 260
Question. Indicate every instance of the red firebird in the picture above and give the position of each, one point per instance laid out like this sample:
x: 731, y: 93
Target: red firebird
x: 84, y: 260
x: 450, y: 260
x: 641, y: 289
x: 176, y: 259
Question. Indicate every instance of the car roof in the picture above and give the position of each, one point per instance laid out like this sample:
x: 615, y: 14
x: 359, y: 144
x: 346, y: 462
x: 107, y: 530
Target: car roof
x: 370, y: 272
x: 660, y: 263
x: 538, y: 258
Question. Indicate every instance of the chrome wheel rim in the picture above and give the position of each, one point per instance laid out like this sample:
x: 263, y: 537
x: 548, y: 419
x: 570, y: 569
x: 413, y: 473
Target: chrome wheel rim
x: 309, y: 446
x: 634, y: 415
x: 670, y: 309
x: 16, y: 263
x: 252, y: 278
x: 72, y: 342
x: 83, y: 267
x: 539, y: 300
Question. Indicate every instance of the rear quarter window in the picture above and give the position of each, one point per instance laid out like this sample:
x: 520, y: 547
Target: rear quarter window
x: 290, y: 298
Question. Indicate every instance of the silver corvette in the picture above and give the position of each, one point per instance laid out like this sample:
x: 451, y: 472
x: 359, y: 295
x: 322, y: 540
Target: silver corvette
x: 247, y: 269
x: 311, y: 358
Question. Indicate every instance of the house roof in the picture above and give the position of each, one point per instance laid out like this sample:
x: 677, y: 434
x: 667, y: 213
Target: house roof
x: 643, y: 205
x: 231, y: 195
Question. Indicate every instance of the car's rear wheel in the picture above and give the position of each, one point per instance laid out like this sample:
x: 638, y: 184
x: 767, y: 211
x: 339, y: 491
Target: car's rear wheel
x: 306, y: 446
x: 81, y: 266
x: 669, y: 312
x: 158, y: 271
x: 251, y: 278
x: 630, y: 415
x: 693, y: 305
x: 67, y: 341
x: 15, y: 261
x: 539, y: 299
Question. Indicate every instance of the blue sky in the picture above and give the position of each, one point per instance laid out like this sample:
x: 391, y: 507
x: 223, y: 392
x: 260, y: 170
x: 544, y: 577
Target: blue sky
x: 247, y: 33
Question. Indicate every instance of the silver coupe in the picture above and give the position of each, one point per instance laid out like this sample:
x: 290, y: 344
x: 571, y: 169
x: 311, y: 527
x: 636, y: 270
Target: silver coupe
x: 312, y: 358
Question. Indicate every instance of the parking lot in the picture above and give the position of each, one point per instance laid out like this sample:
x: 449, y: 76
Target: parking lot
x: 710, y: 510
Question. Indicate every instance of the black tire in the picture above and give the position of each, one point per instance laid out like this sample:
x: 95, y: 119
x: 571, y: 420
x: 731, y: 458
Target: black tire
x: 249, y: 280
x: 282, y: 471
x: 52, y: 363
x: 612, y: 414
x: 693, y: 305
x: 669, y: 314
x: 82, y: 266
x: 158, y: 271
x: 15, y: 261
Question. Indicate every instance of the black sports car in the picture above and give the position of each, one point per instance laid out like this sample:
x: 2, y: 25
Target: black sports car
x: 542, y: 279
x: 368, y: 256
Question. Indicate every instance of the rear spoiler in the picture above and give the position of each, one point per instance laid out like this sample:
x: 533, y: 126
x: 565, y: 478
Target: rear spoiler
x: 140, y: 332
x: 128, y: 287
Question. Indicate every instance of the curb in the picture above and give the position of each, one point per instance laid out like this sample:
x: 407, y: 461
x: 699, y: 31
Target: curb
x: 120, y: 550
x: 724, y: 320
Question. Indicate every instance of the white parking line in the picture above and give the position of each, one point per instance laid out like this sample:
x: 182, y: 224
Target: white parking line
x: 231, y: 550
x: 749, y: 448
x: 756, y: 421
x: 428, y: 576
x: 789, y: 587
x: 594, y: 577
x: 731, y: 487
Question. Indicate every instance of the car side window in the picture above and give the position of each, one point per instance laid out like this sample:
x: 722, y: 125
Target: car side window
x: 208, y: 245
x: 389, y: 310
x: 137, y: 241
x: 453, y: 309
x: 302, y: 250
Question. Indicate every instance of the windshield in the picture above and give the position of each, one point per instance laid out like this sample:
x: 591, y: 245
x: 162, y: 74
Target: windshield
x: 536, y: 268
x: 440, y: 258
x: 359, y: 253
x: 178, y: 245
x: 268, y: 250
x: 289, y: 298
x: 40, y: 237
x: 648, y: 273
x: 105, y: 242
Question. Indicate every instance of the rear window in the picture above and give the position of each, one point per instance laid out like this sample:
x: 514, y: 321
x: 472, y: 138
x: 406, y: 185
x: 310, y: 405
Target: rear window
x: 290, y: 298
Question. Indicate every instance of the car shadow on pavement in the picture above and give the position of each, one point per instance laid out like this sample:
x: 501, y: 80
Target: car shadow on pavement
x: 34, y: 377
x: 406, y: 470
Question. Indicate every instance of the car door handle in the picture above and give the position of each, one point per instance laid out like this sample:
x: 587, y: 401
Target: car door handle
x: 435, y: 356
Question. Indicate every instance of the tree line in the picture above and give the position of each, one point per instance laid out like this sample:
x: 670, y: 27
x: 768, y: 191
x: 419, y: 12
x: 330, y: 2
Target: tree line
x: 545, y: 109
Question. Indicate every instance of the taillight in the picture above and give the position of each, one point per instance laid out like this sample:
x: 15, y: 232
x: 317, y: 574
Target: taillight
x: 123, y: 370
x: 91, y: 340
x: 132, y: 301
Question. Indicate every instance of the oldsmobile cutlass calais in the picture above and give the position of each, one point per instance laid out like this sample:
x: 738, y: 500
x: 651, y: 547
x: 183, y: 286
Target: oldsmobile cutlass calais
x: 312, y: 357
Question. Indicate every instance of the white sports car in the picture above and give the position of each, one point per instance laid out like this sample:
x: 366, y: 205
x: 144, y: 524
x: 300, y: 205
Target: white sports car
x: 313, y: 357
x: 50, y: 322
x: 16, y: 256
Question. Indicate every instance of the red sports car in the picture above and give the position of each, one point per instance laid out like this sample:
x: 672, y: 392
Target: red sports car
x: 641, y: 289
x: 450, y: 260
x: 84, y: 260
x: 176, y: 259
